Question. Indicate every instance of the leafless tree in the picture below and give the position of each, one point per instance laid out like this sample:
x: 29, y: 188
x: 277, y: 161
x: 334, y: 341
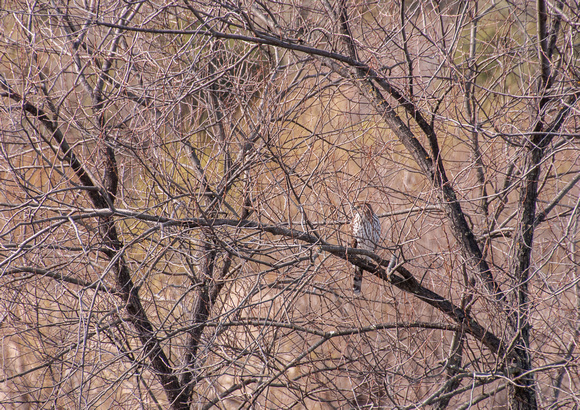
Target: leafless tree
x: 178, y: 181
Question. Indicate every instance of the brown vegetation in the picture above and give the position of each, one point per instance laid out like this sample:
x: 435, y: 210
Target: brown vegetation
x: 177, y: 181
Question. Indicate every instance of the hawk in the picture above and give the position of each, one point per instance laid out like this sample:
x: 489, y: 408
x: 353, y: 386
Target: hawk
x: 366, y: 233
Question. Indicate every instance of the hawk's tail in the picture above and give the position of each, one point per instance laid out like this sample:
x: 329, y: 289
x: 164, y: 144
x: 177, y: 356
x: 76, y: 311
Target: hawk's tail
x: 357, y: 280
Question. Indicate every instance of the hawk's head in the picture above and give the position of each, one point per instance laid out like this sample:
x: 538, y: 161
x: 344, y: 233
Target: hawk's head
x: 364, y: 209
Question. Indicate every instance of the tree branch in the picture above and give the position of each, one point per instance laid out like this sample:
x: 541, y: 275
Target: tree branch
x: 114, y: 250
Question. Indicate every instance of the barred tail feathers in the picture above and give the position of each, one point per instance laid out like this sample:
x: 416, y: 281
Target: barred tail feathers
x: 357, y: 280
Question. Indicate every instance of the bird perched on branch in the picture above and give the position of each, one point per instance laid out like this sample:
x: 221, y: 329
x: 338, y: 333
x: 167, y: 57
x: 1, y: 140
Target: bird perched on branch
x: 366, y: 233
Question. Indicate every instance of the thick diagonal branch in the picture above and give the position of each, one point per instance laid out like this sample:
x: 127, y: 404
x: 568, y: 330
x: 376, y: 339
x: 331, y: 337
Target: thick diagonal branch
x: 113, y: 248
x: 432, y: 166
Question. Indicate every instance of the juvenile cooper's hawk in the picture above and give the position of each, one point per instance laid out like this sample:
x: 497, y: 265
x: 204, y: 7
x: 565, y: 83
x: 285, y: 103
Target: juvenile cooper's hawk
x: 366, y: 233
